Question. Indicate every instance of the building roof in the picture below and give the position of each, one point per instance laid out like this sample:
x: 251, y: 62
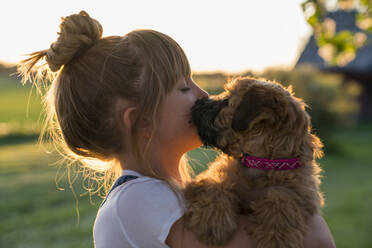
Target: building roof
x: 362, y: 64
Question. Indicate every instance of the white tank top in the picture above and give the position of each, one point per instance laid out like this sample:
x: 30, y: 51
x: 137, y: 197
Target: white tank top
x: 138, y: 213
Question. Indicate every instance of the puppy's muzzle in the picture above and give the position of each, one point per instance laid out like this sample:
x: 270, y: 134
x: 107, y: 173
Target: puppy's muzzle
x: 203, y: 115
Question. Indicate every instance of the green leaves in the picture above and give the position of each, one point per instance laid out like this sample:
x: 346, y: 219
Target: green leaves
x: 314, y: 11
x: 338, y: 48
x: 341, y: 48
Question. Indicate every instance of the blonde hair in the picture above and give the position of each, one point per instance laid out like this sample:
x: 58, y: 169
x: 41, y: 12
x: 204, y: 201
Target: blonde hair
x: 89, y: 74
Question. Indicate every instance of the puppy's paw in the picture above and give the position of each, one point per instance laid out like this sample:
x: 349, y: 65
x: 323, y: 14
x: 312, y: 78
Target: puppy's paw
x: 212, y: 212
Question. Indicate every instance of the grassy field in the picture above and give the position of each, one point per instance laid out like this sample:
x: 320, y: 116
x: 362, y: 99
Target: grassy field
x: 25, y: 107
x: 35, y: 212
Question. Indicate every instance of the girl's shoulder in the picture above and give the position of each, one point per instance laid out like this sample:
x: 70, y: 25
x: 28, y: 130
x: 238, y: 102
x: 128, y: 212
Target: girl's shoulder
x: 138, y: 213
x: 146, y: 188
x: 149, y: 205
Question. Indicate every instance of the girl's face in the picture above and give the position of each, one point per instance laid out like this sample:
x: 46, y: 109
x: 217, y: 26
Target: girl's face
x: 174, y: 130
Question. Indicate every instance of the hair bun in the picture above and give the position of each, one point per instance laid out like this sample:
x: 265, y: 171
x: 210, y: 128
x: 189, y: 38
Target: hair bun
x: 78, y: 32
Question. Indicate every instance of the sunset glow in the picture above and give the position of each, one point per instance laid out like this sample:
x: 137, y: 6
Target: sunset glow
x: 216, y: 35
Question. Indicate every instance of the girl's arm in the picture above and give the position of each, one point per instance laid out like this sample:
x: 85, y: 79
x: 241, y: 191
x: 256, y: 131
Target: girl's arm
x: 179, y: 237
x: 319, y: 235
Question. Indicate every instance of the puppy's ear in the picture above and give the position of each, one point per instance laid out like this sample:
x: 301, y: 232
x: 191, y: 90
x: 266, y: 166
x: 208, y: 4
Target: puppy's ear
x: 249, y: 108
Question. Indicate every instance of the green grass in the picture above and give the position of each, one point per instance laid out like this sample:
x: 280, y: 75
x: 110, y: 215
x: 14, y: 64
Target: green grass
x: 348, y: 188
x: 16, y: 103
x: 20, y: 108
x: 35, y: 213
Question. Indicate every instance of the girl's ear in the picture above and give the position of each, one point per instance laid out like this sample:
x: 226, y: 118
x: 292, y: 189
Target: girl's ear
x: 128, y: 117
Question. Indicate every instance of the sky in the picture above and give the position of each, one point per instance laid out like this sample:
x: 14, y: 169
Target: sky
x: 231, y: 36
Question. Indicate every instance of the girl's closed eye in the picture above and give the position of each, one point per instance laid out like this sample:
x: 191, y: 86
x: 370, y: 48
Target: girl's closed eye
x: 185, y: 89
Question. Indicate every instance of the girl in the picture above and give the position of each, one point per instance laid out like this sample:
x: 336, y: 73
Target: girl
x: 125, y: 101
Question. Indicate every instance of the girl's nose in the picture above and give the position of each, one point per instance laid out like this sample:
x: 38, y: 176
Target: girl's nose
x: 200, y: 92
x: 203, y: 93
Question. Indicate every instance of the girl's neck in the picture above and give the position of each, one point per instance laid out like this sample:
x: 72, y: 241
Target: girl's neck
x: 164, y: 165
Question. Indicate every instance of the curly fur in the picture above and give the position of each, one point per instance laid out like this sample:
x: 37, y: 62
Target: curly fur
x: 263, y: 119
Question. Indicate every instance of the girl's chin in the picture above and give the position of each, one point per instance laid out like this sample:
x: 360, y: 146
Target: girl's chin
x: 198, y: 144
x: 193, y: 145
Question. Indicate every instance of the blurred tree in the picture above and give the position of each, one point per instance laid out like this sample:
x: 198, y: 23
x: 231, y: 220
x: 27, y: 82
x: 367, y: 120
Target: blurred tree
x: 338, y: 48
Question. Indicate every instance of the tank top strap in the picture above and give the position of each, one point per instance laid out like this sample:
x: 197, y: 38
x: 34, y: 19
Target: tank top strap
x: 118, y: 182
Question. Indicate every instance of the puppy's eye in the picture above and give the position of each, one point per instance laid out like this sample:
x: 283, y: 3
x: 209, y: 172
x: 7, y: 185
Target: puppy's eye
x: 185, y: 89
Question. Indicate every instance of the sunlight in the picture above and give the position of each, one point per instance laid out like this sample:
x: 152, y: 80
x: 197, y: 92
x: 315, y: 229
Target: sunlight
x: 231, y: 37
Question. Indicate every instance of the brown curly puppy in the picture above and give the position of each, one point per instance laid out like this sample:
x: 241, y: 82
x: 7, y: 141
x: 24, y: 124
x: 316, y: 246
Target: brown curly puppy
x: 267, y: 170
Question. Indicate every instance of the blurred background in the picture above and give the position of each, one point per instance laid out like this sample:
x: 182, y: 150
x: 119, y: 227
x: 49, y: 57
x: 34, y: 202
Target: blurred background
x: 322, y: 48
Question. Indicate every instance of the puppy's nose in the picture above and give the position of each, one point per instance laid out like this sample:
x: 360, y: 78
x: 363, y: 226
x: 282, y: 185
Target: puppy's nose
x: 203, y: 114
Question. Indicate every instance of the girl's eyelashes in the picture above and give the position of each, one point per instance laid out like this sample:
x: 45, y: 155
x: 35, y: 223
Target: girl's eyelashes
x: 185, y: 89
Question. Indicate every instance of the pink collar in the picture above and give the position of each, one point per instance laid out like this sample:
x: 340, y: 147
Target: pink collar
x: 268, y: 164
